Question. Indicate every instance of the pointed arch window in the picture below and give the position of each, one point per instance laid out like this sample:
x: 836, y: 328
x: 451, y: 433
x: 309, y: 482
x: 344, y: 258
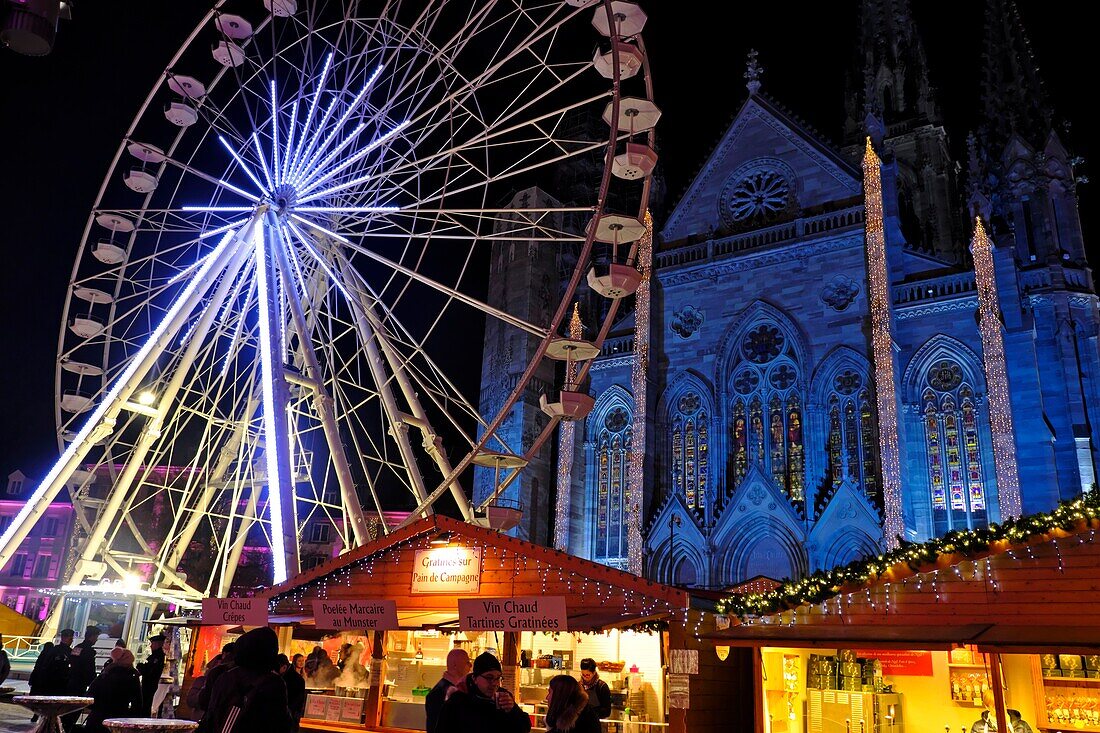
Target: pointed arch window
x: 851, y: 443
x: 952, y: 444
x: 613, y: 449
x: 767, y: 425
x: 691, y: 451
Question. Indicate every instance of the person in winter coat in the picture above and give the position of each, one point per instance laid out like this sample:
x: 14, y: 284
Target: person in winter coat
x: 568, y: 709
x: 251, y: 697
x: 295, y: 690
x: 199, y: 700
x: 37, y: 673
x: 458, y: 666
x: 478, y: 703
x: 150, y: 671
x: 117, y: 691
x: 599, y: 694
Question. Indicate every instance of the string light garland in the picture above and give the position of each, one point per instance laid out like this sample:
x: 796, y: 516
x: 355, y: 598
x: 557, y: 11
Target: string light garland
x: 1071, y: 515
x: 996, y: 374
x: 882, y: 348
x: 566, y: 440
x: 638, y: 380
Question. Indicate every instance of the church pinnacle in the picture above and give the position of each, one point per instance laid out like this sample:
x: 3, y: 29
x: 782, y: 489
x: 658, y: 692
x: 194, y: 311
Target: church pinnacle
x: 889, y: 79
x: 753, y: 72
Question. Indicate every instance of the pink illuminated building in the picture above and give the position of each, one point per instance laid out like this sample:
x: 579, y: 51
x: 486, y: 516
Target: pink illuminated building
x: 36, y: 567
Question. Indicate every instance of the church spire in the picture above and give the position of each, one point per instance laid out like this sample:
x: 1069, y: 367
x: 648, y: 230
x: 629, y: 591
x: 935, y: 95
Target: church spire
x: 1013, y: 99
x: 889, y: 80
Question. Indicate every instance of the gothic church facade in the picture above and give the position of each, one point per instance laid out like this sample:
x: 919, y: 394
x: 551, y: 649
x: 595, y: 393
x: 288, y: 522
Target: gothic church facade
x: 763, y: 457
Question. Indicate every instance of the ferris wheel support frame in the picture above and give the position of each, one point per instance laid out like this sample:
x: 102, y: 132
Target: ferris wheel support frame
x: 152, y: 428
x: 104, y: 417
x: 430, y: 441
x: 322, y: 400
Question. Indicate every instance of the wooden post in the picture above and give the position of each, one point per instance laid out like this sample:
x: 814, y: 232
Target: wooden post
x: 509, y: 662
x: 675, y: 639
x: 285, y: 634
x: 998, y: 691
x: 758, y: 698
x: 372, y: 710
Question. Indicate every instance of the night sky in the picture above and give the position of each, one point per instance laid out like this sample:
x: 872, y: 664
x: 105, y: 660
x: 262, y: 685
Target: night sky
x: 63, y: 116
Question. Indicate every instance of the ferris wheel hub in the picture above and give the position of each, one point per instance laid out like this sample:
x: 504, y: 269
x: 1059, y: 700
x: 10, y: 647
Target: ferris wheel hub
x: 284, y: 197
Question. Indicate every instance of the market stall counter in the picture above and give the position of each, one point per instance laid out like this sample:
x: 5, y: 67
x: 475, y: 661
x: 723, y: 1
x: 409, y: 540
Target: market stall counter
x: 403, y: 602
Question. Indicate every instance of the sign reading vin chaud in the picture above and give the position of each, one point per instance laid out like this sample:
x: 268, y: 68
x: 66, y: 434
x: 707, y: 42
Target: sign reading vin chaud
x: 447, y: 570
x: 536, y: 613
x: 349, y: 615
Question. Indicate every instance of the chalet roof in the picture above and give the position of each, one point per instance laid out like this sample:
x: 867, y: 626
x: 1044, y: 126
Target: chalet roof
x: 598, y: 596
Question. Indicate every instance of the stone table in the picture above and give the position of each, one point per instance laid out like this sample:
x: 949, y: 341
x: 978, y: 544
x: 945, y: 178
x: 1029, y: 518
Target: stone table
x: 148, y: 725
x: 50, y: 708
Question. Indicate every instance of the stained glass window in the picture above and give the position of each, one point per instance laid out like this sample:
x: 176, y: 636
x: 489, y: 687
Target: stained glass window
x: 952, y: 444
x: 795, y: 449
x: 766, y: 412
x: 612, y: 472
x: 836, y: 437
x: 777, y: 441
x: 740, y: 443
x: 690, y: 451
x: 851, y: 442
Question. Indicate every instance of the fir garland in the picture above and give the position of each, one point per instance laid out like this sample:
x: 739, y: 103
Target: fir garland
x: 915, y: 558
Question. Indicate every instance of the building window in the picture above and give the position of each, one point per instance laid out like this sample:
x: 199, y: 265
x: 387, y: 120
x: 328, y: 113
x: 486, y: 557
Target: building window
x: 955, y: 474
x: 852, y: 447
x: 19, y: 565
x: 15, y: 486
x: 691, y: 451
x: 42, y: 566
x: 49, y: 527
x: 613, y: 450
x: 766, y: 429
x: 319, y: 533
x: 5, y: 522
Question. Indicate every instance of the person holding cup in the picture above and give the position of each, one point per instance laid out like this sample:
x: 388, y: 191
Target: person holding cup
x: 479, y: 703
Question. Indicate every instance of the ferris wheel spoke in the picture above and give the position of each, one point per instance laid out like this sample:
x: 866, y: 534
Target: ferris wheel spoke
x: 418, y: 277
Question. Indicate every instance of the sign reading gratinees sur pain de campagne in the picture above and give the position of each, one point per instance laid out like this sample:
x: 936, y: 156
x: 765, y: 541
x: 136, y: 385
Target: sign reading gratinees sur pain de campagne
x: 532, y: 613
x: 453, y: 570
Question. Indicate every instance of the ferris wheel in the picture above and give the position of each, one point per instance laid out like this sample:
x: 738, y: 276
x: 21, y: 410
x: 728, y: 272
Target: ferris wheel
x: 260, y: 332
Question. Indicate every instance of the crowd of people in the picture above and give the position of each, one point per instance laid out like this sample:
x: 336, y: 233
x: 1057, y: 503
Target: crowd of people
x: 469, y: 697
x: 122, y: 688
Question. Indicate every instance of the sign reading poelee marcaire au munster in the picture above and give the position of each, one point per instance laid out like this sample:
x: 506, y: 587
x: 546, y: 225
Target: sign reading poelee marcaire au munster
x: 533, y: 613
x: 348, y: 615
x: 447, y: 570
x: 242, y: 611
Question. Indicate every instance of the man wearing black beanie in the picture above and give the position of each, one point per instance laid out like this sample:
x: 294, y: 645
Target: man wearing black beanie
x: 478, y: 703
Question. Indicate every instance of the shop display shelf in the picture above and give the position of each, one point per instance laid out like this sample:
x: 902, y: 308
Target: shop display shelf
x: 952, y: 665
x: 1087, y: 681
x: 1068, y: 728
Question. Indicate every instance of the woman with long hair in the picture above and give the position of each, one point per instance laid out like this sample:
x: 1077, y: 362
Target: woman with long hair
x: 567, y: 709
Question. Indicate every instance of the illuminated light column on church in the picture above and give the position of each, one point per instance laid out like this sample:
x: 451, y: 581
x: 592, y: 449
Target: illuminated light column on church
x: 566, y: 432
x: 996, y: 374
x: 882, y: 347
x: 638, y: 380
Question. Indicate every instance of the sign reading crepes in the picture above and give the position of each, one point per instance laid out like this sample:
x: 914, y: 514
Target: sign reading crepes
x: 348, y: 615
x: 242, y: 611
x: 447, y: 570
x: 535, y: 613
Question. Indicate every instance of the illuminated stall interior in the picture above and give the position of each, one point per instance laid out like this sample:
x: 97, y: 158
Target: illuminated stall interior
x: 992, y: 631
x: 621, y: 621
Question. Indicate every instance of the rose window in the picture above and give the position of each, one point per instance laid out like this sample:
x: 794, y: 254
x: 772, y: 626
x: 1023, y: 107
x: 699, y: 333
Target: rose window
x: 945, y: 376
x: 759, y: 198
x: 762, y: 344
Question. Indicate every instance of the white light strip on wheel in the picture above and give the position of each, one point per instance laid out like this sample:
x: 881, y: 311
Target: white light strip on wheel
x: 283, y: 173
x: 335, y: 189
x: 263, y: 160
x: 340, y: 123
x: 348, y: 209
x: 275, y: 131
x: 267, y: 377
x: 120, y: 383
x: 217, y: 208
x: 311, y: 184
x: 244, y: 166
x: 293, y: 167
